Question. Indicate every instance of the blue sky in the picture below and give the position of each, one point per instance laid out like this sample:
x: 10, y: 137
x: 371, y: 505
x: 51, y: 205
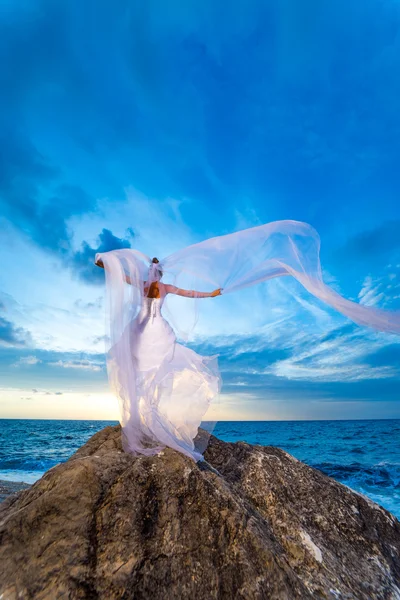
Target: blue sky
x: 154, y: 126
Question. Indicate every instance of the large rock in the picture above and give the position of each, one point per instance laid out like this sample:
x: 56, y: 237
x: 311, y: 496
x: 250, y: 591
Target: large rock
x: 256, y: 524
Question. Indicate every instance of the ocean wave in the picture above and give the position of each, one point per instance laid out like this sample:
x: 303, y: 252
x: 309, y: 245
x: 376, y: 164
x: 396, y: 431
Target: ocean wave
x: 26, y: 464
x: 382, y: 475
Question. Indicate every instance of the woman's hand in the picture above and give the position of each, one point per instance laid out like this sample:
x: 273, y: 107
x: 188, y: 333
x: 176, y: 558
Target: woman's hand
x: 216, y: 292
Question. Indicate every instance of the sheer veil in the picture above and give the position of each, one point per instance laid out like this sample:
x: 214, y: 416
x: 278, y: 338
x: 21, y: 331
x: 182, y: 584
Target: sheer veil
x: 280, y: 248
x: 232, y: 262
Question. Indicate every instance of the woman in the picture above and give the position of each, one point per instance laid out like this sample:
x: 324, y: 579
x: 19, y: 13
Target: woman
x: 165, y: 388
x: 170, y: 387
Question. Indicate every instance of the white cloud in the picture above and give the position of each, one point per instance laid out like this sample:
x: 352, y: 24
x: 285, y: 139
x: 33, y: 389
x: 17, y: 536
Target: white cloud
x: 27, y: 361
x: 340, y: 358
x: 328, y: 355
x: 86, y: 365
x: 380, y: 291
x: 290, y: 370
x: 369, y: 294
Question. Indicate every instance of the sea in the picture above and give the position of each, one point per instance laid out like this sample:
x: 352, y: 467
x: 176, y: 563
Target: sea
x: 363, y: 454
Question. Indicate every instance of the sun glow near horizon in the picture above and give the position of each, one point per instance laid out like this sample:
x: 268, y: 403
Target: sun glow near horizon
x: 103, y: 406
x: 29, y: 404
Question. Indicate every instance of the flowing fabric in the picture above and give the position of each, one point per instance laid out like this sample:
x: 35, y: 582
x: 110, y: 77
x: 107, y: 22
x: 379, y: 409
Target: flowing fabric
x: 164, y: 388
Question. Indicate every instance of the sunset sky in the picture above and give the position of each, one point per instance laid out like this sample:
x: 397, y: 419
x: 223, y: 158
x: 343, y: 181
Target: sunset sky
x: 156, y: 125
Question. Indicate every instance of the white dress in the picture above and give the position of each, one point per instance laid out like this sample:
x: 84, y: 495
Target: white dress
x: 172, y: 386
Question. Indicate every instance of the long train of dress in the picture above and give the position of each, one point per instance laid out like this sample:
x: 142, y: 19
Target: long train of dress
x: 171, y: 386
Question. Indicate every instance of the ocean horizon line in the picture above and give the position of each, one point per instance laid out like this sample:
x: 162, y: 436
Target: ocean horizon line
x: 213, y: 421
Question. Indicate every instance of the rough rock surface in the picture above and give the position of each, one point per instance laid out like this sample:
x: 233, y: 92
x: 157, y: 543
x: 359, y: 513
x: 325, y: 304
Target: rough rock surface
x: 255, y: 524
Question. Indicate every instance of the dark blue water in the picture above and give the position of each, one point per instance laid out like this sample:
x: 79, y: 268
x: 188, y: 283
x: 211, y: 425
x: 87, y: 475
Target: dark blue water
x: 365, y: 455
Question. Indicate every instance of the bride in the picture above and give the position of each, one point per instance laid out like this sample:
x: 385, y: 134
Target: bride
x: 164, y: 388
x: 171, y: 386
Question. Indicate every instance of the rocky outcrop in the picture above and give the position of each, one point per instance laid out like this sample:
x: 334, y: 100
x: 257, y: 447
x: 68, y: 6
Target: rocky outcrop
x: 251, y: 523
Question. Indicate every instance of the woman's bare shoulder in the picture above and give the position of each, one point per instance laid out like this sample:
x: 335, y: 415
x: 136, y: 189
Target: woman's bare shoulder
x: 169, y: 289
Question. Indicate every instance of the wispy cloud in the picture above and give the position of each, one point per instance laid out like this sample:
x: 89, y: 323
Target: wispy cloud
x: 52, y: 370
x: 81, y: 305
x: 383, y: 291
x: 27, y: 361
x: 87, y: 365
x: 341, y: 354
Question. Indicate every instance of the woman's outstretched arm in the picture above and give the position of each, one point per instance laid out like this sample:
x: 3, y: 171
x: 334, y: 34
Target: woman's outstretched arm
x: 172, y: 289
x: 100, y: 263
